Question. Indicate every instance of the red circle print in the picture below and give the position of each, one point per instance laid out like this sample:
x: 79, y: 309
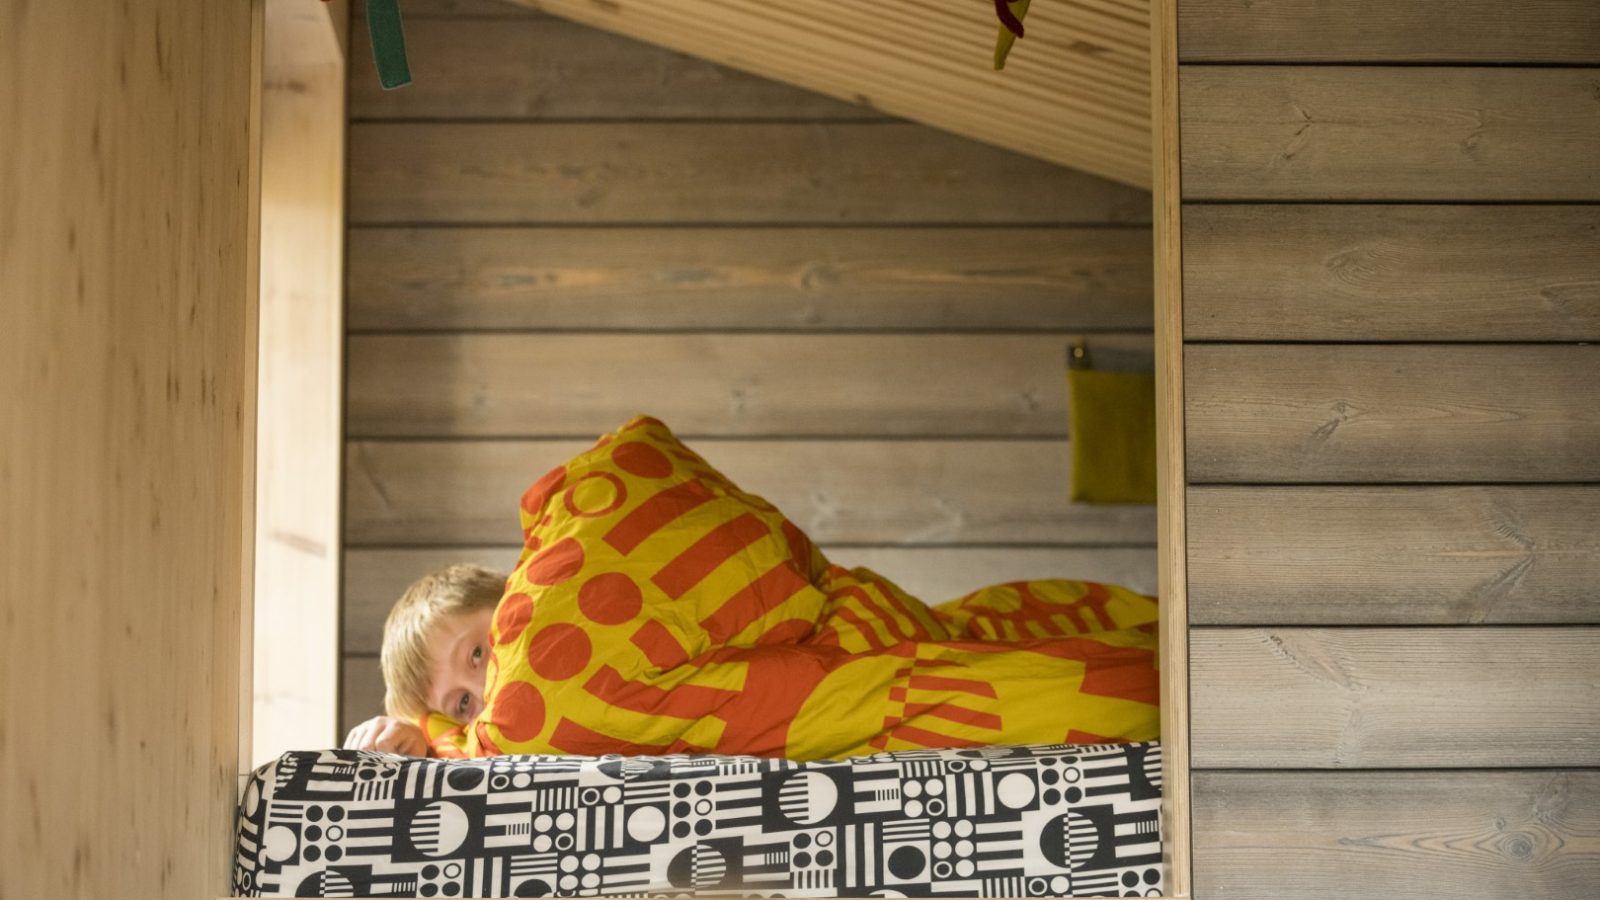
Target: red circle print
x: 518, y: 712
x: 512, y: 616
x: 595, y: 494
x: 535, y: 498
x: 560, y: 562
x: 642, y: 460
x: 486, y: 744
x: 610, y: 598
x: 559, y: 651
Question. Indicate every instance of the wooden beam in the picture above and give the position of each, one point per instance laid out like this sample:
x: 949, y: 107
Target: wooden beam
x: 1418, y: 835
x: 1350, y: 698
x: 582, y: 385
x: 1389, y: 133
x: 1356, y: 272
x: 931, y: 62
x: 1353, y: 413
x: 127, y: 268
x: 1171, y: 474
x: 417, y: 493
x: 300, y: 383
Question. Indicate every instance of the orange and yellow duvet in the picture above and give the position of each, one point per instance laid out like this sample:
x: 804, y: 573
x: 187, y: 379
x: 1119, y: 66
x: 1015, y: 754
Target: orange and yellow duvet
x: 659, y: 609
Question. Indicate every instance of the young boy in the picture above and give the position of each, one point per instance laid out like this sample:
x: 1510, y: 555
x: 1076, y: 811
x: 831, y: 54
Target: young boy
x: 435, y: 650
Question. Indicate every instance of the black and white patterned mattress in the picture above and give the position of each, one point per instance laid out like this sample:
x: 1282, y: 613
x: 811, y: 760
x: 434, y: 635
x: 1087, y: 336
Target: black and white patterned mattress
x: 993, y: 822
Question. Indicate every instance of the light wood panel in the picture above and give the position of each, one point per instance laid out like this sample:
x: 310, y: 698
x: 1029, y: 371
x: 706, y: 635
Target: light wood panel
x: 834, y: 172
x: 375, y: 577
x: 584, y: 384
x: 789, y: 279
x: 1395, y: 697
x: 417, y: 493
x: 540, y: 67
x: 1394, y: 555
x: 1376, y: 133
x: 1516, y: 413
x: 1171, y: 476
x: 127, y: 268
x: 1422, y: 835
x: 301, y: 341
x: 1478, y: 31
x: 1305, y: 272
x: 1075, y: 91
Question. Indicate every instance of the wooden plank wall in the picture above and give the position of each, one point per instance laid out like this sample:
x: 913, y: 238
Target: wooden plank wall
x: 1391, y: 288
x: 127, y: 291
x: 862, y: 319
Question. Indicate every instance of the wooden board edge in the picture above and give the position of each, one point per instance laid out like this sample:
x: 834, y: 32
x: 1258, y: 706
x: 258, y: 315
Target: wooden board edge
x: 1171, y: 478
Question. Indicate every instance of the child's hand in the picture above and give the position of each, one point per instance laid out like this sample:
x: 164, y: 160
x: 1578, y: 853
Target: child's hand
x: 387, y: 735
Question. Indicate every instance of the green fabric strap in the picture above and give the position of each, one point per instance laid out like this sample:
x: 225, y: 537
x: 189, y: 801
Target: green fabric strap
x: 388, y: 43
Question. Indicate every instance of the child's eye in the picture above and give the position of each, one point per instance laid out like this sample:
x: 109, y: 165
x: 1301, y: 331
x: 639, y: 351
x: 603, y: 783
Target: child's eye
x: 462, y: 704
x: 477, y: 655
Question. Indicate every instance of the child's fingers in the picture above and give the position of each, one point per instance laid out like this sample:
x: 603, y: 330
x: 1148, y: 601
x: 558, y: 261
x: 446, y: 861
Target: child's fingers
x: 389, y: 739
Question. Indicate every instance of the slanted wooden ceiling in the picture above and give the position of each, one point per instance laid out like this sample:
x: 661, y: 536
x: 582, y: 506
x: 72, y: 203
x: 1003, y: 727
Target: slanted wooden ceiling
x: 1076, y: 90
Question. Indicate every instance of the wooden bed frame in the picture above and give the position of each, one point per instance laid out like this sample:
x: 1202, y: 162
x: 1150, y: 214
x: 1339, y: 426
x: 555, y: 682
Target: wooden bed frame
x: 306, y: 91
x: 303, y: 94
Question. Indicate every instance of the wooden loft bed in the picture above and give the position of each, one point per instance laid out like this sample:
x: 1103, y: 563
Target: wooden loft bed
x: 1341, y: 743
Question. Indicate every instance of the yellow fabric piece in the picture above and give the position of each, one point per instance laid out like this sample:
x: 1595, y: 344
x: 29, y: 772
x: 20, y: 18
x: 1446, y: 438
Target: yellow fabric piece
x: 660, y: 609
x: 1113, y: 432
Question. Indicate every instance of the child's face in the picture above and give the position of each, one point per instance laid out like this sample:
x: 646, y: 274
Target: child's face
x: 458, y: 655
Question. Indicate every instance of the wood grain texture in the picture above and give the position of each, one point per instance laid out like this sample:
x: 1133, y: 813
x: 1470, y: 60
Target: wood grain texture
x: 1394, y: 697
x: 546, y: 68
x: 517, y: 385
x: 789, y: 279
x: 1420, y: 835
x: 416, y: 493
x: 1475, y: 31
x: 1307, y: 414
x: 375, y: 577
x: 1306, y: 272
x: 1078, y: 96
x: 1394, y: 555
x: 1377, y: 133
x: 300, y: 383
x: 1171, y: 477
x: 830, y: 172
x: 128, y: 283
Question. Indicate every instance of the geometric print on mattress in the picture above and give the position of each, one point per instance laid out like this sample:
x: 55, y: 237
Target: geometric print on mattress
x: 1041, y: 821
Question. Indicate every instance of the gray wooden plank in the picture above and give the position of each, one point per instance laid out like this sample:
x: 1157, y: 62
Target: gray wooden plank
x: 1310, y: 272
x: 548, y: 68
x: 544, y: 385
x: 1417, y: 835
x: 1393, y: 555
x: 1394, y: 697
x: 375, y: 577
x: 791, y: 279
x: 1476, y: 31
x: 1389, y: 133
x: 863, y: 492
x: 1399, y: 413
x: 838, y: 172
x: 360, y: 691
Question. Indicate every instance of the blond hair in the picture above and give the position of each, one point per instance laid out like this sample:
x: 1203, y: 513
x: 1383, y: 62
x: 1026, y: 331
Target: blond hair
x: 452, y: 590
